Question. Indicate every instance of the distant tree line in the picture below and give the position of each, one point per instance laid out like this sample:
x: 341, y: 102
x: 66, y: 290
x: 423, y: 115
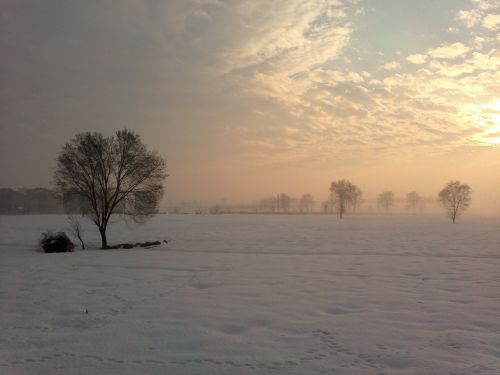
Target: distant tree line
x: 283, y: 203
x: 344, y: 197
x: 29, y: 201
x: 38, y: 201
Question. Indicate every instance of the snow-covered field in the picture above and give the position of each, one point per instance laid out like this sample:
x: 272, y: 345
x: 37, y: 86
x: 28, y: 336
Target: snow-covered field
x: 256, y: 294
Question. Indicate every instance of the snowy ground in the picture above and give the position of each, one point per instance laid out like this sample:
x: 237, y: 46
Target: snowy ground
x: 255, y: 295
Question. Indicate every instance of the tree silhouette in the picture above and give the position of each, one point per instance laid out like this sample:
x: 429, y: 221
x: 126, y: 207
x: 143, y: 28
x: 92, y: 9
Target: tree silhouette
x: 455, y: 197
x: 413, y: 200
x: 345, y: 195
x: 109, y: 175
x: 385, y: 200
x: 306, y: 203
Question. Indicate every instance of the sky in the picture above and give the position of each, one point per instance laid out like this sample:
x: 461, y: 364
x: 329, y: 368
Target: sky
x: 246, y: 99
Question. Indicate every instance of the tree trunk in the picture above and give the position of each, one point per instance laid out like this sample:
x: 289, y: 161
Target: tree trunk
x: 104, y: 241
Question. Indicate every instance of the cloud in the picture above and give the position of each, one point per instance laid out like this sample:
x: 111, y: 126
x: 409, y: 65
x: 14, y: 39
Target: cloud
x: 483, y: 14
x: 422, y: 109
x: 486, y: 61
x: 333, y: 77
x: 451, y: 70
x: 280, y: 81
x: 417, y: 58
x: 487, y: 4
x: 449, y: 51
x: 470, y: 18
x: 298, y: 36
x: 492, y: 21
x: 393, y: 65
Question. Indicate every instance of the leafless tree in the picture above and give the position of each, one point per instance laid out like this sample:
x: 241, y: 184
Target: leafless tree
x: 385, y: 200
x: 357, y: 200
x: 306, y: 203
x: 268, y: 204
x: 76, y: 229
x: 109, y: 175
x: 413, y: 200
x: 283, y: 202
x: 345, y: 195
x: 328, y: 206
x: 215, y: 209
x: 456, y: 198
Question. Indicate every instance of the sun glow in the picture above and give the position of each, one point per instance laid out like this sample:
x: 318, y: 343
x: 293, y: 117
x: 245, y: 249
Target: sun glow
x: 487, y: 116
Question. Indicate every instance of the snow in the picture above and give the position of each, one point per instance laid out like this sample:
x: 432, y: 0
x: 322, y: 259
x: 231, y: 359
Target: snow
x: 255, y: 294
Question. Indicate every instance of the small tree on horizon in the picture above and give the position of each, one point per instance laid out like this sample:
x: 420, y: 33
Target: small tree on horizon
x: 386, y: 200
x: 306, y: 203
x: 284, y: 202
x: 413, y: 200
x: 456, y: 198
x: 109, y: 175
x: 345, y: 195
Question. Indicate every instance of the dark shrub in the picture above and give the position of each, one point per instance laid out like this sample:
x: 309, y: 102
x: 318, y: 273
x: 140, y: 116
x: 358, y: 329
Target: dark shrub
x: 137, y: 244
x: 55, y: 242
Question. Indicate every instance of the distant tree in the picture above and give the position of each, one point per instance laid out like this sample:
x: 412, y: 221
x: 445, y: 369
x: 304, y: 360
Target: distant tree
x: 345, y: 195
x: 268, y: 204
x: 413, y: 200
x: 328, y: 206
x: 357, y: 200
x: 283, y: 202
x: 109, y: 175
x: 8, y: 200
x: 215, y: 209
x: 456, y: 198
x: 385, y: 200
x: 29, y: 201
x: 306, y: 203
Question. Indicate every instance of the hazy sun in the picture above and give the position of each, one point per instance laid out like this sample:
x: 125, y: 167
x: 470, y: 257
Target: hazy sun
x: 488, y: 117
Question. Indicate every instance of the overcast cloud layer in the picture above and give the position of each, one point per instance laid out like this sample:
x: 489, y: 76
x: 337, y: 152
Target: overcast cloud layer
x: 248, y: 98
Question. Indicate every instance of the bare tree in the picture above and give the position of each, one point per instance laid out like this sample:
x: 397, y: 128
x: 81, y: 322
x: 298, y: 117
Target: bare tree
x: 284, y: 202
x: 357, y: 200
x: 215, y: 210
x: 109, y: 175
x: 455, y: 197
x: 413, y: 200
x: 306, y: 203
x: 76, y: 229
x: 328, y: 206
x: 268, y: 204
x: 385, y: 200
x: 345, y: 195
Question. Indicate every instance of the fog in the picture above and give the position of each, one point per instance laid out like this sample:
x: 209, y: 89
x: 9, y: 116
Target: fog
x: 239, y: 182
x: 246, y: 100
x: 426, y: 177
